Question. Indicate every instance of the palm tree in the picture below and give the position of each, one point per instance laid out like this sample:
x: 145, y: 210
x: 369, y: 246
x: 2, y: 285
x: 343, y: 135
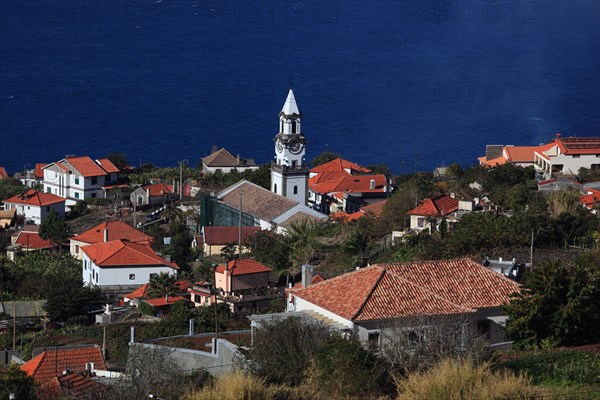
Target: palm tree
x: 172, y: 213
x: 162, y: 284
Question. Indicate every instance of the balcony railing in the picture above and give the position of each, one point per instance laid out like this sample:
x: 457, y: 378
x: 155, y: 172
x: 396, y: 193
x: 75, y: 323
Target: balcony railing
x: 288, y: 168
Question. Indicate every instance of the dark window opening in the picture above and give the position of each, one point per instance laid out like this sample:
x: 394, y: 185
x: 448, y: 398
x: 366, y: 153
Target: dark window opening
x: 293, y: 126
x: 295, y: 189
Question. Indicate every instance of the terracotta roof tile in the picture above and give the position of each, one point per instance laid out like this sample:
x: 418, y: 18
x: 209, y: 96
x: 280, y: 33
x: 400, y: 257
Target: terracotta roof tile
x: 578, y: 145
x: 84, y: 165
x: 340, y: 165
x: 32, y: 240
x: 221, y: 235
x: 79, y: 386
x: 591, y: 199
x: 437, y: 206
x: 52, y: 362
x: 119, y: 253
x: 411, y: 289
x: 257, y: 201
x: 138, y: 293
x: 39, y: 170
x: 117, y: 230
x: 158, y: 189
x: 521, y: 154
x: 107, y: 165
x: 162, y: 301
x: 3, y: 173
x: 35, y: 198
x: 224, y: 159
x: 243, y: 267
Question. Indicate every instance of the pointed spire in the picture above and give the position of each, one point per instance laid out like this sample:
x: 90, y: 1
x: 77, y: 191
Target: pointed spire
x: 290, y: 107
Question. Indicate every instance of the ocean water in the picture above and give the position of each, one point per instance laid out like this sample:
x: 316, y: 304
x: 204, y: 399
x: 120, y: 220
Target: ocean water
x: 397, y: 82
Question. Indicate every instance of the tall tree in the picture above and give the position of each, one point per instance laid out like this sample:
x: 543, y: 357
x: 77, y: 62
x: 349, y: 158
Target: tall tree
x: 54, y: 229
x: 118, y: 159
x: 559, y: 304
x: 323, y: 158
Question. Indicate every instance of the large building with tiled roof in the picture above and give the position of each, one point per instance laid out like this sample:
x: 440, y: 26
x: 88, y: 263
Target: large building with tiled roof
x: 54, y: 360
x: 35, y: 206
x: 120, y: 263
x: 215, y: 238
x: 106, y: 232
x: 222, y: 160
x: 79, y: 178
x: 260, y: 207
x: 367, y: 301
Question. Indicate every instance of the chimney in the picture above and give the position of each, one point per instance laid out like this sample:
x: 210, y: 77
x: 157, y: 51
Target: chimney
x: 89, y: 366
x: 106, y: 234
x: 167, y: 298
x: 132, y: 335
x: 372, y: 184
x: 307, y: 271
x: 453, y: 195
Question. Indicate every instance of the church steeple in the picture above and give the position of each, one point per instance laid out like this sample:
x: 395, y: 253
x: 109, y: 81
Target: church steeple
x: 289, y: 172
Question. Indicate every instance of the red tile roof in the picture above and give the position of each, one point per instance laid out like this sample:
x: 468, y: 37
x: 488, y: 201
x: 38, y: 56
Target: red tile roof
x: 315, y: 279
x: 591, y: 199
x: 437, y: 206
x: 158, y: 189
x: 221, y: 235
x: 52, y: 362
x: 32, y: 240
x: 521, y: 154
x: 350, y: 183
x: 493, y: 162
x: 138, y: 293
x: 578, y: 145
x: 85, y: 166
x: 107, y: 165
x: 162, y: 301
x: 39, y: 170
x: 375, y: 208
x: 411, y: 289
x: 119, y: 253
x: 340, y: 165
x: 78, y: 386
x: 35, y: 198
x: 243, y: 267
x: 3, y: 173
x: 117, y: 230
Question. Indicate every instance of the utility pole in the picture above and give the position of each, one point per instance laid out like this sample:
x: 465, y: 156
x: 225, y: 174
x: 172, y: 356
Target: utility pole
x: 14, y: 326
x: 240, y: 227
x: 104, y: 341
x: 531, y: 251
x: 180, y: 180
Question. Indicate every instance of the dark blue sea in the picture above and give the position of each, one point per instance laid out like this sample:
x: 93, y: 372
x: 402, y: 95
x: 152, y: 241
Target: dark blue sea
x: 377, y: 81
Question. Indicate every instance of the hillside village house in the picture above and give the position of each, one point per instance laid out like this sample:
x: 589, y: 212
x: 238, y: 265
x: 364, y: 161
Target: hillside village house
x: 34, y: 177
x: 429, y: 214
x: 106, y: 232
x: 562, y: 155
x: 374, y: 302
x: 241, y: 274
x: 213, y: 239
x: 35, y: 206
x: 121, y: 263
x: 222, y: 160
x: 25, y: 241
x: 79, y: 178
x: 343, y: 186
x: 155, y: 194
x: 567, y: 155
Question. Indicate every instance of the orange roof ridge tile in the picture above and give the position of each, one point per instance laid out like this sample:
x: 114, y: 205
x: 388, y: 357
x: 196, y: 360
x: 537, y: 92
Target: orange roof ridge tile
x: 360, y: 308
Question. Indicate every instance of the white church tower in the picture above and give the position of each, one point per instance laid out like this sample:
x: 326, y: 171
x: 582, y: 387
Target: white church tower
x: 289, y: 172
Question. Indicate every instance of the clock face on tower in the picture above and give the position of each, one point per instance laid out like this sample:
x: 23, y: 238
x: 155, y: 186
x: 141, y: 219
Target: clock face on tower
x: 295, y: 146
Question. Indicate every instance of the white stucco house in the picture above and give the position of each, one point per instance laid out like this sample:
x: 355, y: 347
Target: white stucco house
x: 567, y: 155
x: 120, y: 263
x: 222, y: 160
x: 35, y: 206
x: 372, y: 302
x: 79, y: 178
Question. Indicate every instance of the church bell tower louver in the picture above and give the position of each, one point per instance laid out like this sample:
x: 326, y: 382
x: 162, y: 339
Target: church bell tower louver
x: 289, y: 172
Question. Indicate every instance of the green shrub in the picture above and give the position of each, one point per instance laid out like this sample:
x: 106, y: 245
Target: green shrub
x: 558, y: 368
